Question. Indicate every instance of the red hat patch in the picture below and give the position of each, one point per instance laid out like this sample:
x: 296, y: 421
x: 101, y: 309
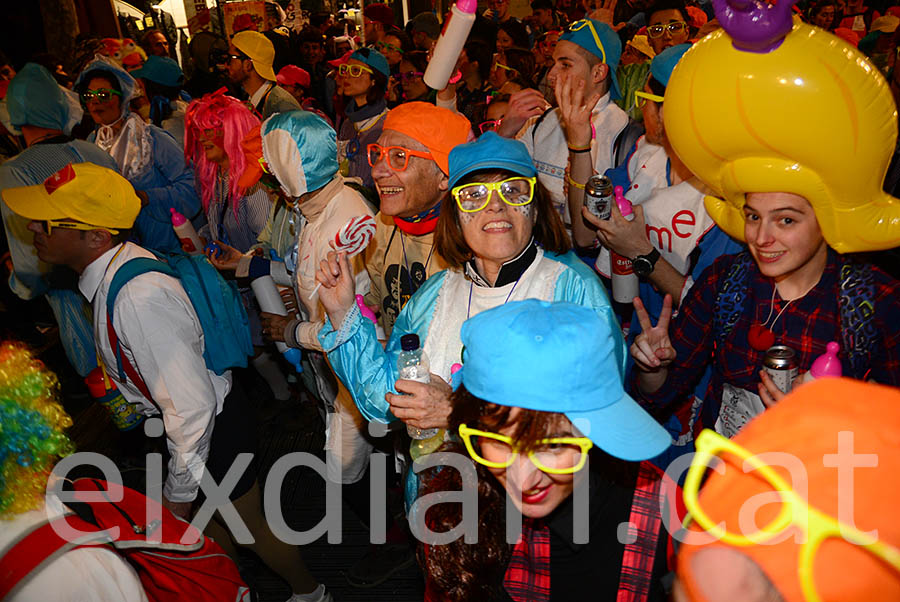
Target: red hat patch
x: 63, y: 176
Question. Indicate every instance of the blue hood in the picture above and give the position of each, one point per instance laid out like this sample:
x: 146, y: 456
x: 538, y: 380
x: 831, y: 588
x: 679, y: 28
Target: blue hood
x: 300, y: 149
x: 34, y: 98
x: 126, y: 82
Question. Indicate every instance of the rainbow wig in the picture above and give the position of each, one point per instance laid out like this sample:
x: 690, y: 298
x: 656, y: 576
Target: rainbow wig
x: 32, y: 422
x: 231, y: 120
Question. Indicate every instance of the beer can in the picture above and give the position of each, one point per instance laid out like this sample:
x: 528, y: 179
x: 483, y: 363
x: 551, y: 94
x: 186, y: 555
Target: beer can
x: 598, y: 196
x: 781, y: 364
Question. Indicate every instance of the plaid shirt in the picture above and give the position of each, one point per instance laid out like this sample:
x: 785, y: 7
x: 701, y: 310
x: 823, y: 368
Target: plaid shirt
x: 807, y: 325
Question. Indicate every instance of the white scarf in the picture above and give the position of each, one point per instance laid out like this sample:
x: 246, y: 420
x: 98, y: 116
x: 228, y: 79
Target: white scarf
x: 132, y: 148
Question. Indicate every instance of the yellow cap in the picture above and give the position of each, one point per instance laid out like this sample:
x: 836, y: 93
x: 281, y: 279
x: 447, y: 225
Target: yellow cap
x: 82, y: 191
x: 259, y: 49
x: 813, y: 117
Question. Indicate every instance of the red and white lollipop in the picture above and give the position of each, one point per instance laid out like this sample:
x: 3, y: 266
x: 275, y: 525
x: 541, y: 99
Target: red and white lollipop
x: 352, y: 239
x: 355, y: 235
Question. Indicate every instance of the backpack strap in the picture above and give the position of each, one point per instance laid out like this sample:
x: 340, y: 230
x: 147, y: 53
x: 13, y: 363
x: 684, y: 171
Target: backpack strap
x: 731, y: 296
x: 625, y: 141
x: 130, y: 269
x: 857, y: 308
x: 538, y: 123
x: 29, y: 554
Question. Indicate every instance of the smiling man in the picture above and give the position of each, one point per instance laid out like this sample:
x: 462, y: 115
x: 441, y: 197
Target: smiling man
x: 409, y: 166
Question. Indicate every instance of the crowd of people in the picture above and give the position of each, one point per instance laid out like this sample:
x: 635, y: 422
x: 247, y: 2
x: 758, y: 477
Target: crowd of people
x: 304, y: 203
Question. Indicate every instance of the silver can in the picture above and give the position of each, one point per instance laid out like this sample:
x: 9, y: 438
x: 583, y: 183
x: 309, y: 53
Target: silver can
x: 781, y: 364
x: 598, y: 196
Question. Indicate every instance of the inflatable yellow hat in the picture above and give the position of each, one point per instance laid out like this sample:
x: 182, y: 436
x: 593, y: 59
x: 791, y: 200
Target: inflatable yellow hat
x: 772, y: 105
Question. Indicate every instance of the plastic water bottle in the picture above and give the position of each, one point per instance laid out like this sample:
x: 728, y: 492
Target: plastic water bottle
x: 450, y: 44
x: 184, y: 230
x: 624, y: 280
x: 826, y: 365
x: 412, y: 364
x: 270, y: 301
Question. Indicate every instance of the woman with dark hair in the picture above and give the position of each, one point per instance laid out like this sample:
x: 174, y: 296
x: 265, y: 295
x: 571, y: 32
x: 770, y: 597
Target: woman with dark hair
x: 512, y: 33
x: 513, y: 70
x: 146, y: 155
x: 363, y: 79
x: 411, y: 71
x: 539, y: 430
x: 502, y: 241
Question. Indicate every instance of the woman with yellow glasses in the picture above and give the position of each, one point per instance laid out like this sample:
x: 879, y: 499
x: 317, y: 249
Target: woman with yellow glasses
x: 502, y: 241
x: 362, y: 80
x: 541, y: 411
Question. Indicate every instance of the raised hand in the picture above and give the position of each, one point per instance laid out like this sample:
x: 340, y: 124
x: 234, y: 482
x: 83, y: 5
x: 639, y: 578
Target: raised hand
x: 422, y: 405
x: 575, y: 109
x: 652, y: 350
x: 338, y: 290
x: 523, y: 105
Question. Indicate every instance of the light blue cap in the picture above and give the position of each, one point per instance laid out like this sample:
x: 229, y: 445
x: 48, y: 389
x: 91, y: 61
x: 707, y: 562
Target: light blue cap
x: 34, y: 98
x: 663, y: 64
x: 300, y: 149
x: 161, y: 70
x: 609, y: 51
x: 558, y: 357
x: 490, y: 151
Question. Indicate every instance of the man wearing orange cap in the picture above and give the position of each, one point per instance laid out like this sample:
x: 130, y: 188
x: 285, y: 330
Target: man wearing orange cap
x: 409, y: 167
x: 834, y: 465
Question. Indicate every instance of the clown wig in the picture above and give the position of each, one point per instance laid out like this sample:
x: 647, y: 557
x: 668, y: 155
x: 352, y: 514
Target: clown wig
x: 31, y: 429
x: 231, y: 120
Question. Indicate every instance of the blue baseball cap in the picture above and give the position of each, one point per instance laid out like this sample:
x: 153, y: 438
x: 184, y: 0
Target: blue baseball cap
x: 373, y: 59
x: 161, y: 70
x: 663, y: 64
x: 558, y: 357
x: 609, y: 48
x: 490, y: 151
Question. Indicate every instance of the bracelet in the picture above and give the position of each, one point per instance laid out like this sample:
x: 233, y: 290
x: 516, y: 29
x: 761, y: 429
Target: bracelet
x: 574, y: 183
x: 580, y: 149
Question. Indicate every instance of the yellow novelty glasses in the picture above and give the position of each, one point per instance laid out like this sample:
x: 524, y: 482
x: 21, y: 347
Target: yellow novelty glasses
x: 579, y: 25
x: 673, y: 27
x: 555, y: 455
x: 795, y: 511
x: 474, y: 196
x: 353, y: 70
x: 641, y: 98
x: 49, y: 224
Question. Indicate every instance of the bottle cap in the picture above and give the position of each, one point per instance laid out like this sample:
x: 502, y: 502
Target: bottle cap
x: 467, y: 6
x: 177, y: 218
x: 623, y: 203
x: 409, y: 342
x: 828, y: 363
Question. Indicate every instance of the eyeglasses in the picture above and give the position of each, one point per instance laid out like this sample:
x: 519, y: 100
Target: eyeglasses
x: 815, y: 524
x: 240, y: 57
x: 100, y: 95
x: 353, y: 70
x: 579, y: 25
x: 556, y: 455
x: 398, y: 156
x: 405, y: 77
x: 49, y: 224
x: 489, y: 125
x: 673, y: 27
x: 641, y: 98
x: 474, y: 196
x: 384, y: 46
x: 504, y: 67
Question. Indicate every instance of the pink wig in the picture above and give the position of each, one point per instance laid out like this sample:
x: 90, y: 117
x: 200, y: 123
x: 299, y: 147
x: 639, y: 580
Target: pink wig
x: 230, y: 117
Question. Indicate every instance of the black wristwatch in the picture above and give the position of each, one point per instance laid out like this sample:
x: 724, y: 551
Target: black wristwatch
x: 643, y: 264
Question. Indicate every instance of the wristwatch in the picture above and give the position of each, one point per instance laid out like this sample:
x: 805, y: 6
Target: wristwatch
x: 643, y: 264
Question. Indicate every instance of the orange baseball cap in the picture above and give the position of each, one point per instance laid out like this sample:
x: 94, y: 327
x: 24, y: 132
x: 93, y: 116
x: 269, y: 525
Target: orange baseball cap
x: 805, y: 437
x: 437, y: 128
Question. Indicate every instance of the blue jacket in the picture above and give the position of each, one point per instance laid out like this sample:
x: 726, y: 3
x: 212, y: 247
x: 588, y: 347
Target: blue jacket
x: 370, y: 371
